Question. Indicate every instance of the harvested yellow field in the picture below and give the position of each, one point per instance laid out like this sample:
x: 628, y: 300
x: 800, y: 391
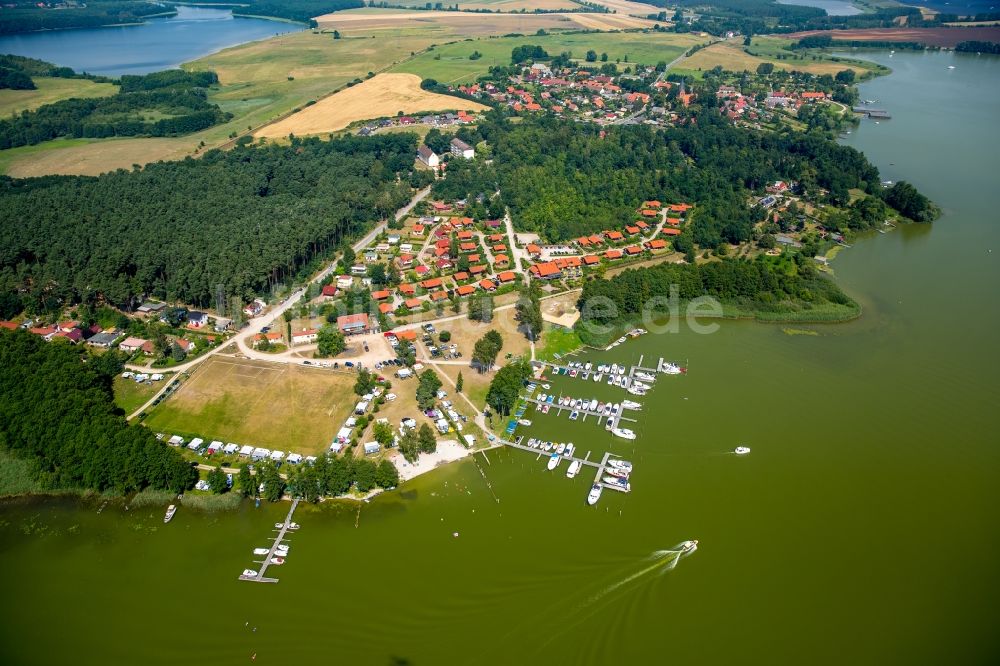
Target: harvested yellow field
x: 609, y: 21
x: 629, y: 7
x: 382, y: 95
x: 91, y: 156
x: 51, y: 90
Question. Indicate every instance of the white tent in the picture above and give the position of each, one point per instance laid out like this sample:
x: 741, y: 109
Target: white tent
x: 293, y: 458
x: 246, y: 450
x: 344, y: 435
x: 361, y: 407
x: 231, y: 448
x: 196, y: 443
x: 337, y: 447
x: 176, y: 440
x: 259, y: 453
x: 277, y: 456
x: 215, y: 445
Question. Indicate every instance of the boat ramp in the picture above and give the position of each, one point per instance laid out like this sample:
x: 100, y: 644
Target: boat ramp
x: 281, y: 529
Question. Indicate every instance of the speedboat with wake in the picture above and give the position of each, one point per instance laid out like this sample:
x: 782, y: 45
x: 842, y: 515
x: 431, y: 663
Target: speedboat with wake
x: 624, y: 433
x: 742, y: 450
x: 595, y: 494
x: 689, y: 546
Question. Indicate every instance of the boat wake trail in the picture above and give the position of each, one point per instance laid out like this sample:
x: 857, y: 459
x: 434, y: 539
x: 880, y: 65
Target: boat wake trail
x: 663, y: 561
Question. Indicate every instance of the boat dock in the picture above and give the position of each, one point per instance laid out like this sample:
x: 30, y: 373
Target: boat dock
x: 584, y: 413
x: 285, y: 526
x: 600, y: 466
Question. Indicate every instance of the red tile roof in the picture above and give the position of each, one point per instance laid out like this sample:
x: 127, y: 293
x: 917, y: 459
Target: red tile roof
x: 671, y: 231
x: 465, y: 290
x: 380, y: 295
x: 507, y: 276
x: 431, y: 283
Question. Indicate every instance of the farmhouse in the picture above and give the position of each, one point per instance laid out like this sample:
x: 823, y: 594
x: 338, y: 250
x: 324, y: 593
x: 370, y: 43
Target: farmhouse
x: 104, y: 339
x: 305, y: 336
x: 428, y: 157
x: 353, y: 324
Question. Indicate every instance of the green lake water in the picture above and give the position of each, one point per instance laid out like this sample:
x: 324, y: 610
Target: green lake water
x: 862, y: 528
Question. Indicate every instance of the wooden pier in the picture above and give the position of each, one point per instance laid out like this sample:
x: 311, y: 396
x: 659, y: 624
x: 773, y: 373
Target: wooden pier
x: 285, y: 526
x: 583, y: 412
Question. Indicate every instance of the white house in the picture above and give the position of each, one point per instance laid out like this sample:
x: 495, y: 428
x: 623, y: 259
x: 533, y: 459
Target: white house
x: 131, y: 344
x: 305, y: 336
x: 197, y: 319
x: 428, y: 157
x: 345, y: 282
x: 460, y: 148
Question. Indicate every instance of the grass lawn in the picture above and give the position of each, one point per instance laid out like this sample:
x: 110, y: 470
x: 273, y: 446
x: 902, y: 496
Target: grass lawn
x: 450, y: 63
x: 49, y: 90
x: 277, y: 406
x: 556, y: 340
x: 130, y: 395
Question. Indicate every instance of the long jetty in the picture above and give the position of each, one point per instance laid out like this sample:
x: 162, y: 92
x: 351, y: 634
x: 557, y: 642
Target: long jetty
x: 285, y: 526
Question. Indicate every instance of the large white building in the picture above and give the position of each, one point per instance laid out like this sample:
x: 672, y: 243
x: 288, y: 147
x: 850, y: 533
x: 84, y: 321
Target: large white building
x: 460, y: 148
x: 428, y: 157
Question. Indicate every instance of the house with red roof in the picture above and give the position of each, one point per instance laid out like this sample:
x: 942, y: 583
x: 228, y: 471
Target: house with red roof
x: 546, y: 271
x: 437, y: 296
x: 613, y: 254
x: 506, y: 277
x: 465, y: 290
x: 329, y: 290
x: 487, y: 285
x: 591, y: 260
x: 631, y: 231
x: 431, y: 283
x: 380, y: 295
x: 670, y: 231
x: 501, y: 260
x: 353, y: 324
x: 656, y: 244
x: 467, y: 247
x: 385, y: 308
x: 477, y: 270
x: 407, y: 289
x: 412, y: 303
x: 461, y: 276
x: 633, y: 250
x: 422, y: 270
x: 533, y: 250
x: 418, y: 230
x: 614, y: 236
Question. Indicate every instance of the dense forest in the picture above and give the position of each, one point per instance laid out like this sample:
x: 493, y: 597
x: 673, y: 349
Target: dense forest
x: 565, y: 179
x: 973, y: 46
x: 168, y: 103
x: 294, y: 10
x: 244, y: 219
x: 787, y: 283
x: 59, y: 413
x: 28, y: 16
x: 752, y: 17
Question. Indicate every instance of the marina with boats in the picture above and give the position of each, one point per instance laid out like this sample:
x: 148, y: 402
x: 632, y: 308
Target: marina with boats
x: 276, y: 554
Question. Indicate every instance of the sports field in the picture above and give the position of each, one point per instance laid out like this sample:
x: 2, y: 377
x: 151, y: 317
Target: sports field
x: 382, y: 95
x: 49, y: 90
x: 450, y: 63
x: 277, y: 406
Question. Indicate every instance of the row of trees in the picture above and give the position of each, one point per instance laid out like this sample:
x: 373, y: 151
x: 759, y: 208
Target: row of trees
x: 484, y: 352
x: 179, y: 96
x: 59, y: 413
x: 329, y: 476
x: 246, y: 219
x: 506, y: 385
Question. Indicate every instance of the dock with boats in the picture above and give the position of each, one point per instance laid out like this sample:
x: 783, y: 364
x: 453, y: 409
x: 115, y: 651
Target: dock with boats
x: 600, y: 476
x: 276, y: 550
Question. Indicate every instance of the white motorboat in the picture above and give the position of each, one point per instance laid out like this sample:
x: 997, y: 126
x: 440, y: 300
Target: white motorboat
x: 621, y: 369
x: 533, y: 443
x: 689, y: 546
x: 546, y: 387
x: 569, y: 450
x: 548, y: 446
x: 614, y: 368
x: 644, y: 376
x: 742, y: 450
x: 248, y: 573
x: 624, y: 433
x: 277, y: 560
x: 261, y: 551
x: 616, y: 408
x: 595, y: 494
x: 541, y: 397
x: 554, y: 461
x: 617, y: 483
x: 617, y: 472
x: 607, y: 409
x: 524, y: 422
x: 171, y: 510
x: 620, y: 464
x: 560, y: 449
x: 671, y: 369
x: 574, y: 468
x: 574, y: 415
x: 599, y: 376
x: 587, y: 367
x: 629, y: 404
x: 621, y: 339
x: 641, y: 386
x: 634, y: 391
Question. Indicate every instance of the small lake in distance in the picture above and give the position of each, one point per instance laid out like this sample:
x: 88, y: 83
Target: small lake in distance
x: 160, y: 43
x: 832, y: 7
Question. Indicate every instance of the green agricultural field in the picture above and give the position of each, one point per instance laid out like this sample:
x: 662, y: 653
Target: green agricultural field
x: 51, y: 90
x: 450, y: 63
x: 274, y: 405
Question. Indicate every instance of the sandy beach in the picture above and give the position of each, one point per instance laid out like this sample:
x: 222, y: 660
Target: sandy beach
x: 448, y: 450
